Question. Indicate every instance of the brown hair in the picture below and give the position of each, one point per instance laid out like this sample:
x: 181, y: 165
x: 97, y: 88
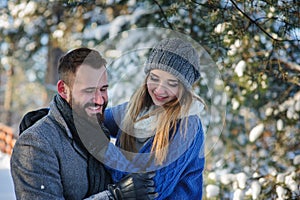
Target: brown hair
x: 69, y: 63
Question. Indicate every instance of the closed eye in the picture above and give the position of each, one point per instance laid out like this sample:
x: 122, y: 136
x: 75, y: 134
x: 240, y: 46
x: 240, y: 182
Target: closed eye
x: 173, y: 83
x: 154, y: 78
x: 89, y: 90
x: 104, y: 88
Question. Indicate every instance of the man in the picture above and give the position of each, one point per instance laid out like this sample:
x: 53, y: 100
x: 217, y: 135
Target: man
x: 49, y: 160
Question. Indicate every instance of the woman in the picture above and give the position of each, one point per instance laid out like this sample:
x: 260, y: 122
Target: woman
x: 159, y: 129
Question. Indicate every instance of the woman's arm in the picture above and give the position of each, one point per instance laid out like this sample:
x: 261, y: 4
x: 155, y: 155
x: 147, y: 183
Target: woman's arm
x: 183, y: 178
x: 190, y: 184
x: 113, y: 118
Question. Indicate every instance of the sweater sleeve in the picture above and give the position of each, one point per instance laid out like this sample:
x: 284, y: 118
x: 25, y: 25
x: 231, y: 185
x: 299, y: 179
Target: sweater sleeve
x: 183, y: 178
x: 115, y: 161
x: 113, y: 118
x: 191, y: 182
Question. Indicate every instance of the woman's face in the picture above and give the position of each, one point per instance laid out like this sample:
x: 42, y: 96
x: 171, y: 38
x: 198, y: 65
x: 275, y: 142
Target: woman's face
x: 162, y: 86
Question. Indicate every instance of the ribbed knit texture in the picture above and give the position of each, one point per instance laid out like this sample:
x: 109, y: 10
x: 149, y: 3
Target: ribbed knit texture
x: 182, y: 178
x: 176, y: 57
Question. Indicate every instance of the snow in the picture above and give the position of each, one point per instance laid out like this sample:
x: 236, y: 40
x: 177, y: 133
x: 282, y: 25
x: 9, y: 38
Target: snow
x: 291, y: 183
x: 279, y: 125
x: 280, y: 192
x: 220, y: 28
x: 256, y: 132
x: 256, y: 189
x: 296, y: 160
x: 6, y: 184
x: 238, y: 194
x: 212, y: 191
x: 241, y: 179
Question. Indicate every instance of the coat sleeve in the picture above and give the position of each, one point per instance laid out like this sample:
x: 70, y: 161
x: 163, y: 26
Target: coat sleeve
x: 105, y: 195
x: 35, y: 169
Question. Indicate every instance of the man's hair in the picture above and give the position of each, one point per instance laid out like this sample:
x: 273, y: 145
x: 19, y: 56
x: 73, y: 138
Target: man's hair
x: 69, y: 63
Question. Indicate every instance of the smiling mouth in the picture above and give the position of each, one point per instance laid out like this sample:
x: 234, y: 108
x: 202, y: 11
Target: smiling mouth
x: 160, y: 98
x: 95, y: 108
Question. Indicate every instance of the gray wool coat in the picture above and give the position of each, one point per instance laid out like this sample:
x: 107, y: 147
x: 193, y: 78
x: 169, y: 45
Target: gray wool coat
x: 47, y: 164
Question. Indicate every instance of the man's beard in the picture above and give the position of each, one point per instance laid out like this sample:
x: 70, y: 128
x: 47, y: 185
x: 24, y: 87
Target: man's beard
x: 80, y: 111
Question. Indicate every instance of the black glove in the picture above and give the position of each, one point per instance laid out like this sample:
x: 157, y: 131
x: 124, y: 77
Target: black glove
x: 31, y: 117
x: 138, y: 186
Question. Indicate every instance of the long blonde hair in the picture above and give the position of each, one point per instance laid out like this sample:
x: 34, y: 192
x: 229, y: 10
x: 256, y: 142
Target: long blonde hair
x: 168, y: 116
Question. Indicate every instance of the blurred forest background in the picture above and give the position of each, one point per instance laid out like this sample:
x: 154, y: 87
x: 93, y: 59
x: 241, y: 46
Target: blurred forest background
x: 254, y: 44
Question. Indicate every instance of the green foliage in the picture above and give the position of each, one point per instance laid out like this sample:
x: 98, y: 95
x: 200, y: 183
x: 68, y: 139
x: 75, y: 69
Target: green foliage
x: 254, y: 43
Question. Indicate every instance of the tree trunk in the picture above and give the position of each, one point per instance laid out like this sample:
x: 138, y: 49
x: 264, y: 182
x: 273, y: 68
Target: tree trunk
x: 8, y: 96
x: 1, y: 93
x: 54, y: 53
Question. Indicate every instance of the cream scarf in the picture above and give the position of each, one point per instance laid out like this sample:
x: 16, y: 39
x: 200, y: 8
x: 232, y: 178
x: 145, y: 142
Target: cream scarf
x: 145, y: 128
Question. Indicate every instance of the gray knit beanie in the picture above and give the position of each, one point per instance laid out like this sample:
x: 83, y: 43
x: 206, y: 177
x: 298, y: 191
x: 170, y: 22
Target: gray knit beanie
x: 178, y: 58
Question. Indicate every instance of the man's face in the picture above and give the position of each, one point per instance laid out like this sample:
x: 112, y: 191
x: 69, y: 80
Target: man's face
x: 88, y: 96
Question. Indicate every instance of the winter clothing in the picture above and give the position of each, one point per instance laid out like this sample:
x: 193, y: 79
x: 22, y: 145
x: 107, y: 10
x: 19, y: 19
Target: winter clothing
x: 176, y: 57
x: 180, y: 177
x: 49, y: 162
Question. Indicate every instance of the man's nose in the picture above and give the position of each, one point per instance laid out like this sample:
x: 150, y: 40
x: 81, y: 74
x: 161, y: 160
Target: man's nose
x: 99, y: 98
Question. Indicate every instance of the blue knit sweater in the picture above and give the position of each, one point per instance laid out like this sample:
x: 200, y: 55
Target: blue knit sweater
x: 181, y: 176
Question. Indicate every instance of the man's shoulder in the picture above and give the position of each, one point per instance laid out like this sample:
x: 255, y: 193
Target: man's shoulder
x: 40, y: 137
x: 45, y: 128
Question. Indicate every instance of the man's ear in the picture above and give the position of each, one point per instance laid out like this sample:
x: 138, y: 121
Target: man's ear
x: 63, y: 89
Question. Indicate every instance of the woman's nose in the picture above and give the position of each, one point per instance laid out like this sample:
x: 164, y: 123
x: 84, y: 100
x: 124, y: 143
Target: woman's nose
x: 160, y: 88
